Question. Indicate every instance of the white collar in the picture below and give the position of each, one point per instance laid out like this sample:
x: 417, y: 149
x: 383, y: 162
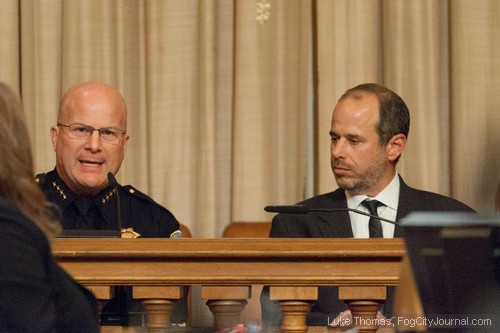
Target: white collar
x: 389, y: 196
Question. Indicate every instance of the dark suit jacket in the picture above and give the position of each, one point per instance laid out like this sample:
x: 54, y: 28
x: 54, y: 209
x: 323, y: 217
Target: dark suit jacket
x: 337, y: 225
x: 36, y: 295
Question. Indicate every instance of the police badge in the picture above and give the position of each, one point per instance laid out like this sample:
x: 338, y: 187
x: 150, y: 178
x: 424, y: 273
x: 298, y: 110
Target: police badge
x: 129, y: 233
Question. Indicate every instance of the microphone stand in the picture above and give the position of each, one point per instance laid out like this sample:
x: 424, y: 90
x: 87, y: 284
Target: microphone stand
x: 112, y: 181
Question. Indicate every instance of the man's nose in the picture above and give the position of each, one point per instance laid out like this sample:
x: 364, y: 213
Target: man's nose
x: 94, y: 141
x: 337, y: 148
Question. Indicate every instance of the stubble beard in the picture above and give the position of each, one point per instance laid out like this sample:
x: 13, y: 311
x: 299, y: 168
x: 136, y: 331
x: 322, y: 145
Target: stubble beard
x: 361, y: 182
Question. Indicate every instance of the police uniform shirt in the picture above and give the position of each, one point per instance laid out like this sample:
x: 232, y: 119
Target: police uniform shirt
x: 141, y: 216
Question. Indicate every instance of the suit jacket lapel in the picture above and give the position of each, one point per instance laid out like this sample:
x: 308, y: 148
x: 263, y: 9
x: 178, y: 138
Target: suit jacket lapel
x: 405, y: 205
x: 336, y: 223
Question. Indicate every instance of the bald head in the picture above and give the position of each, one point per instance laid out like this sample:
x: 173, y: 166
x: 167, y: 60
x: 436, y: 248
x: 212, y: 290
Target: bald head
x: 98, y: 94
x: 83, y: 162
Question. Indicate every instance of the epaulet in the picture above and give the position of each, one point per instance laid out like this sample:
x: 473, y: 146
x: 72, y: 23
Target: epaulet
x: 40, y: 179
x: 132, y: 191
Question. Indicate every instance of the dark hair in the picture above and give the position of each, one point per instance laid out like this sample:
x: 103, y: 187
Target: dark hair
x: 394, y: 116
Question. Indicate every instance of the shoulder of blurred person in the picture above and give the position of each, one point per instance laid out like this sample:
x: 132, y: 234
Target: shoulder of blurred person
x: 36, y: 295
x: 33, y: 286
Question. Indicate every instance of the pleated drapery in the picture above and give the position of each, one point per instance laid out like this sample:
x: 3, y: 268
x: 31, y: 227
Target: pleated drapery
x: 230, y: 101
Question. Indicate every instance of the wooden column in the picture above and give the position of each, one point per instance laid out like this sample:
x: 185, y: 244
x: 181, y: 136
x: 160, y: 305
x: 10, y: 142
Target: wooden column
x: 158, y: 303
x: 364, y: 303
x: 226, y: 303
x: 295, y: 304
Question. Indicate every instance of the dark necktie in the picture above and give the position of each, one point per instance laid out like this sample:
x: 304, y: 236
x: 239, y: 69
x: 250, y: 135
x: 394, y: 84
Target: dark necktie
x: 374, y: 225
x: 83, y: 205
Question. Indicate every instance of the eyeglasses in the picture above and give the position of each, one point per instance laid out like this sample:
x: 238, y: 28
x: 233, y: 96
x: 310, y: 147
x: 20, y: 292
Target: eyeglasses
x: 80, y: 131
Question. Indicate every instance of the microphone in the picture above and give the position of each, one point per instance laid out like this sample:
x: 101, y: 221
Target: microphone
x: 287, y: 209
x: 300, y: 209
x: 112, y: 182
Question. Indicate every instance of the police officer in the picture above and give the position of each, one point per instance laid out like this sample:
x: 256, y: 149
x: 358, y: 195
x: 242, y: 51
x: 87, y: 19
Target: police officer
x: 90, y: 140
x: 140, y: 216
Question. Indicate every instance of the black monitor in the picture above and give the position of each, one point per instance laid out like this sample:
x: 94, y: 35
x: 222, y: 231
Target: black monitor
x: 455, y: 258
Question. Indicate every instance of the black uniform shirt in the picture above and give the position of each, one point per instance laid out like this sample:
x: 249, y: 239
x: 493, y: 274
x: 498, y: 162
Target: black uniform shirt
x: 141, y: 216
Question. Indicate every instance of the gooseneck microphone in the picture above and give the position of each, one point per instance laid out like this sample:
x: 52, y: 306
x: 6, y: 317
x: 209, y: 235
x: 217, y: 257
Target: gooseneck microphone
x: 112, y: 182
x: 300, y: 209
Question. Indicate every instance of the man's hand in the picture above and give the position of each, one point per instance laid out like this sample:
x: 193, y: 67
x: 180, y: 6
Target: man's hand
x: 345, y: 320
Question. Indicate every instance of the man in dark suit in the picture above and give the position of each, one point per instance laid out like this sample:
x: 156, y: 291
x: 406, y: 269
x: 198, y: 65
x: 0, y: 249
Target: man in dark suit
x: 369, y: 131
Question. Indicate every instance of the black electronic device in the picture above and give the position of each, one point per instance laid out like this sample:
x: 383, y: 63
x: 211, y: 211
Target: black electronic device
x: 455, y: 258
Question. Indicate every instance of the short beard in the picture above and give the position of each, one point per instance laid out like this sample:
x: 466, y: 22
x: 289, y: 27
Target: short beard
x: 363, y: 182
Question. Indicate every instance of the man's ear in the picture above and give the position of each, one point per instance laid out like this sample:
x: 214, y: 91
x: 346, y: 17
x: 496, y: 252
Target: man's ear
x: 54, y: 134
x: 396, y: 146
x: 125, y: 144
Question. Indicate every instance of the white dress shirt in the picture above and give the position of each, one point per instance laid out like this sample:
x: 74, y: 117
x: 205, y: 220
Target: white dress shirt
x: 389, y: 196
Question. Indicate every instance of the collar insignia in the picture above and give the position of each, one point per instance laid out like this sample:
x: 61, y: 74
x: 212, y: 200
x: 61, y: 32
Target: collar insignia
x: 59, y: 190
x: 129, y: 233
x: 108, y: 196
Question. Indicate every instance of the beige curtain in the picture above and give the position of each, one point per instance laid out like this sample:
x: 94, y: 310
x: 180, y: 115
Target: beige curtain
x: 10, y: 44
x: 442, y: 58
x: 272, y: 51
x: 475, y: 101
x: 349, y: 52
x: 220, y: 92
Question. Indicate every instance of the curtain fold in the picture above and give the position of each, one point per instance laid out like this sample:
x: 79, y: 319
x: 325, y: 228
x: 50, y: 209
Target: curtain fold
x: 39, y: 71
x: 474, y: 101
x: 414, y: 51
x: 10, y: 48
x: 349, y: 52
x: 270, y: 106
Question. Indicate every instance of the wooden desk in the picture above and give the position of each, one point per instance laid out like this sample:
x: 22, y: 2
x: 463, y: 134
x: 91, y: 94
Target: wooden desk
x: 226, y: 268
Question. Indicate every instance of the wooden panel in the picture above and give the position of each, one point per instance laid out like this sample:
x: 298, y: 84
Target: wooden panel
x: 102, y: 292
x: 231, y: 261
x: 292, y: 267
x: 225, y: 292
x: 247, y: 230
x: 361, y: 292
x: 294, y: 293
x: 167, y: 292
